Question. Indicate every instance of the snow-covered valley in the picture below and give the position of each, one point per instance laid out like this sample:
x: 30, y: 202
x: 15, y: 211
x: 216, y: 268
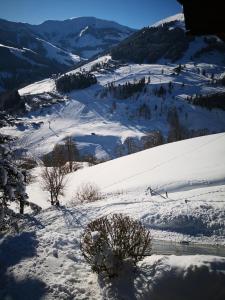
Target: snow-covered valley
x: 101, y: 124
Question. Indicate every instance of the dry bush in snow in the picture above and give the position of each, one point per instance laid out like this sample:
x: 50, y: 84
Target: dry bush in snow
x: 87, y: 192
x: 108, y: 242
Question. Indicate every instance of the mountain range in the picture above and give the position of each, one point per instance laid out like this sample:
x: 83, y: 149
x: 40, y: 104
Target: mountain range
x: 33, y: 52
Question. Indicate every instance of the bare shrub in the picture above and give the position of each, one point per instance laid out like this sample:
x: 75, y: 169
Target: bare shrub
x: 116, y: 193
x: 72, y: 167
x: 88, y: 192
x: 35, y: 208
x: 108, y: 242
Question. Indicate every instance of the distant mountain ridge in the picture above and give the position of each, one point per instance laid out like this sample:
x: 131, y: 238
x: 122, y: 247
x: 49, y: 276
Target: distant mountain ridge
x: 33, y: 52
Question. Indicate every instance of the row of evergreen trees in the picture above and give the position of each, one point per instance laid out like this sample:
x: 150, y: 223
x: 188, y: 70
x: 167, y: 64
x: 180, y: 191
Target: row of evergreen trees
x: 76, y: 81
x: 12, y: 102
x: 126, y: 90
x: 209, y: 101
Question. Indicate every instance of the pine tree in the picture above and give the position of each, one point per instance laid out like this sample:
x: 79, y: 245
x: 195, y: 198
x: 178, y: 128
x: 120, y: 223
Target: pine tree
x: 12, y: 184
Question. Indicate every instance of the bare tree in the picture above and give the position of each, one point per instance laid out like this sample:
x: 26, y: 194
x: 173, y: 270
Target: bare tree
x: 54, y: 182
x: 152, y: 139
x: 56, y: 158
x: 71, y: 152
x: 131, y: 145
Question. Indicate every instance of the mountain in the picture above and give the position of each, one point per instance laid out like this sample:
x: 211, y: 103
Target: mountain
x: 25, y: 57
x: 84, y: 36
x: 166, y: 41
x: 133, y: 106
x: 32, y: 52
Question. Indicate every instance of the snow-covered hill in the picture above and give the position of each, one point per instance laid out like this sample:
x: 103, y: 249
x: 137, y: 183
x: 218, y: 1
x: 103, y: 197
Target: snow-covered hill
x: 178, y: 19
x: 191, y: 172
x: 21, y: 65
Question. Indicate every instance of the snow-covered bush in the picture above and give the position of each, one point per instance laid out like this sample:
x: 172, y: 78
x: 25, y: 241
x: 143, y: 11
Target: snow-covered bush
x: 87, y: 192
x: 108, y: 242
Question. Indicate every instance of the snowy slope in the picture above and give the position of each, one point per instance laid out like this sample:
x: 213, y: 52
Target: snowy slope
x: 90, y: 111
x: 85, y: 112
x: 53, y: 52
x: 20, y: 36
x: 58, y: 54
x: 48, y: 264
x: 195, y: 185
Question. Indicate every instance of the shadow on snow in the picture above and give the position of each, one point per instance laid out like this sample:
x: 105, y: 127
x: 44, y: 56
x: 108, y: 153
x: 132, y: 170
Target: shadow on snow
x: 14, y: 250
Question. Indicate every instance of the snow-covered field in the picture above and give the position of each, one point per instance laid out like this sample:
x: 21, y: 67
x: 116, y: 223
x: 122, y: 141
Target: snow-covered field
x: 47, y: 262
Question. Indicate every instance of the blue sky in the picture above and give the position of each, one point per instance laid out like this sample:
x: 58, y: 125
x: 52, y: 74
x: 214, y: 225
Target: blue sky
x: 133, y: 13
